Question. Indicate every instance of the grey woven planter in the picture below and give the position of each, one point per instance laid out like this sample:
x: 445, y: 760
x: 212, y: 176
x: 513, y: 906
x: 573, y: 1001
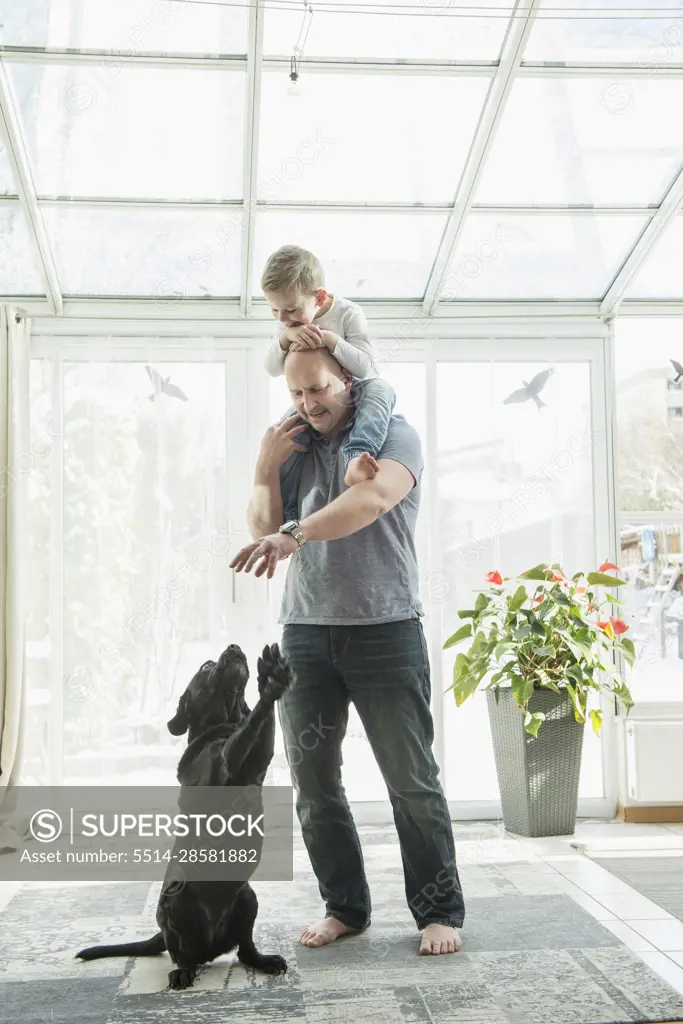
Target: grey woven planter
x: 538, y: 778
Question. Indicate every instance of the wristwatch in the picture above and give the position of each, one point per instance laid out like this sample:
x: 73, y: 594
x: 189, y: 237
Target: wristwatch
x: 294, y: 529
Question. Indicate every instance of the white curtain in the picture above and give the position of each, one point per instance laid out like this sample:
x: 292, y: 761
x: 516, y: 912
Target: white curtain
x: 15, y: 458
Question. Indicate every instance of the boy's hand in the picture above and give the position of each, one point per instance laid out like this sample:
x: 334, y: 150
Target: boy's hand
x: 306, y: 336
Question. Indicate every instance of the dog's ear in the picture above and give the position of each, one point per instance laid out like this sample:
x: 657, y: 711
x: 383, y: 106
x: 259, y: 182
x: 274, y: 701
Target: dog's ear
x: 179, y: 724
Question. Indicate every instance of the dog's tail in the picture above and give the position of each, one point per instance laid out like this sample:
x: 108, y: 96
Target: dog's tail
x: 148, y: 947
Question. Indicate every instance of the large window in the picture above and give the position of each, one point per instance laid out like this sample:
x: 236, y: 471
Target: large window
x: 649, y: 408
x: 131, y: 504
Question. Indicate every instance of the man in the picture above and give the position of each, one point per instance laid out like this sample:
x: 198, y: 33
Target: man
x: 352, y: 632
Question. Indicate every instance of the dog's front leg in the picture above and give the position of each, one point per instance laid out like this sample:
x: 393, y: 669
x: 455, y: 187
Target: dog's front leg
x: 186, y: 965
x: 257, y: 732
x: 238, y: 751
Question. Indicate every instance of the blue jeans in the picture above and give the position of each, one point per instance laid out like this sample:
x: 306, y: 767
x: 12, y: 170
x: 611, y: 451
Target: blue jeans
x: 384, y: 670
x: 374, y: 399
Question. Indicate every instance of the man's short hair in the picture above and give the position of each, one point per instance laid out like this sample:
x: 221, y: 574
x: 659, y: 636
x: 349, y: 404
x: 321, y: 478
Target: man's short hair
x: 293, y: 267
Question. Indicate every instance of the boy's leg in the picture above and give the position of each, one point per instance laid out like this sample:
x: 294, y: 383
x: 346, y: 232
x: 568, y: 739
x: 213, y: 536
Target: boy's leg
x: 386, y: 671
x: 314, y: 715
x: 374, y: 399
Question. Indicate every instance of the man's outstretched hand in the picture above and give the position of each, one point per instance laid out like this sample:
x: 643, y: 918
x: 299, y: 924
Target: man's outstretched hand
x: 268, y: 550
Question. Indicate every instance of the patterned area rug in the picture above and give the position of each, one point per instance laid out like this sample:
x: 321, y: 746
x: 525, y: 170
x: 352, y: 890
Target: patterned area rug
x: 531, y: 955
x: 658, y: 878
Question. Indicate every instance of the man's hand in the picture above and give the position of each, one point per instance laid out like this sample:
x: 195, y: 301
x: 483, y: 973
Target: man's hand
x: 270, y: 550
x: 279, y: 441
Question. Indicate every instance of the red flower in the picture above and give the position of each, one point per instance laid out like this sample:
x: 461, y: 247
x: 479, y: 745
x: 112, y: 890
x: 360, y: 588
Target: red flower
x: 603, y: 625
x: 540, y: 598
x: 580, y: 590
x: 495, y: 577
x: 556, y: 576
x: 609, y: 565
x: 618, y: 625
x: 591, y: 607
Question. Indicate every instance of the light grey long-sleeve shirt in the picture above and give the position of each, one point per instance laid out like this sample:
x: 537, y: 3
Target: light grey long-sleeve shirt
x: 353, y: 349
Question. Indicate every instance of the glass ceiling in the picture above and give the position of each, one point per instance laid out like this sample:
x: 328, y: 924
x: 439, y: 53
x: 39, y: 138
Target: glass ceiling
x: 437, y: 151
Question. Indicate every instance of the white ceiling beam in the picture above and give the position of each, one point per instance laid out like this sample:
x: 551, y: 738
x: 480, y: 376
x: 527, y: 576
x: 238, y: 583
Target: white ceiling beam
x: 403, y: 317
x: 109, y: 58
x: 354, y: 65
x: 521, y: 20
x: 251, y: 143
x: 651, y: 234
x: 11, y: 132
x: 325, y: 206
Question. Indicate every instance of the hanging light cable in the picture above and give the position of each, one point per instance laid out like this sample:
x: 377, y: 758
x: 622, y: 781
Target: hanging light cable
x: 297, y: 55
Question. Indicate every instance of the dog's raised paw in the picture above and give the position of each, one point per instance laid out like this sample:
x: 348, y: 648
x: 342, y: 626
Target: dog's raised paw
x: 182, y: 977
x: 275, y: 673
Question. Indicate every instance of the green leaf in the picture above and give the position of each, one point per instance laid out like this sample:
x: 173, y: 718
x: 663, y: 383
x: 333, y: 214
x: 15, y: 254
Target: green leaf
x: 544, y: 652
x: 539, y: 572
x: 469, y: 614
x: 495, y: 679
x: 575, y: 673
x: 459, y: 635
x: 578, y: 712
x: 537, y: 629
x: 518, y: 599
x: 596, y: 719
x: 521, y: 633
x: 544, y: 610
x: 461, y: 666
x: 465, y: 688
x: 559, y: 597
x: 604, y: 580
x: 547, y: 681
x: 629, y: 646
x: 482, y: 602
x: 533, y: 722
x: 522, y: 689
x: 502, y: 649
x: 622, y: 691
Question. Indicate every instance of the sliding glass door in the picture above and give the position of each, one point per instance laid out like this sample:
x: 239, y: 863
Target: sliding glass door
x: 143, y: 466
x: 520, y: 479
x: 507, y: 484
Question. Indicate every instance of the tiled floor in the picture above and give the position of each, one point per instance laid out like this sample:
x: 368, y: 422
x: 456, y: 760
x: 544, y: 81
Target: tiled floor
x: 546, y: 867
x: 643, y: 926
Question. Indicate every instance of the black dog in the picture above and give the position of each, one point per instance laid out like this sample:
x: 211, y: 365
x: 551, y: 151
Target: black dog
x: 228, y: 745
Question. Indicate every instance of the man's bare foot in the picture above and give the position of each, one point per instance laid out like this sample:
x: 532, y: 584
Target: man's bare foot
x: 439, y: 938
x: 363, y: 467
x: 325, y: 932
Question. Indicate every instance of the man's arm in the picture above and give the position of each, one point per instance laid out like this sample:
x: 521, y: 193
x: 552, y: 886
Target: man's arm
x: 265, y: 513
x: 360, y: 505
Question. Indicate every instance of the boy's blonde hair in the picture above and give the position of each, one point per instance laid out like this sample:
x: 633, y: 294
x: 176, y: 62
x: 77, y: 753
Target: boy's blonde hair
x: 295, y: 268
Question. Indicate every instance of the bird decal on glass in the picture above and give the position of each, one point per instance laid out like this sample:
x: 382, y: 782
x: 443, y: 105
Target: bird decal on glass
x: 678, y: 368
x: 163, y: 386
x: 531, y: 389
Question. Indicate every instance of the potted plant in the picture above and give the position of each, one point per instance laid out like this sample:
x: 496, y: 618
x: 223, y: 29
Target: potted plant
x: 544, y: 655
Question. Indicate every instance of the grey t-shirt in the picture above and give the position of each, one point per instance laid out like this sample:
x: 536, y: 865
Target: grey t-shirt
x: 372, y: 575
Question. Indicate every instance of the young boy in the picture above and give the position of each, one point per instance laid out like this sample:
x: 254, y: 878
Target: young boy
x: 293, y: 284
